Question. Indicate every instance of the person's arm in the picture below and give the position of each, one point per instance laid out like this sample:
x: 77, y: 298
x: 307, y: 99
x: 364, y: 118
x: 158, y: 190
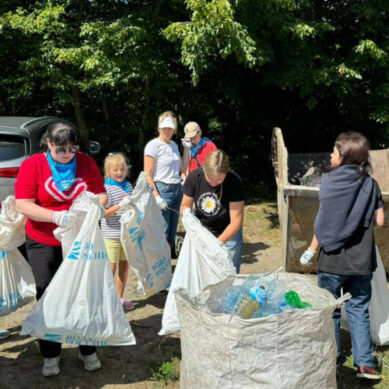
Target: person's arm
x: 379, y: 217
x: 185, y: 161
x: 187, y: 202
x: 236, y: 221
x: 314, y: 246
x: 307, y: 256
x: 103, y: 199
x: 149, y: 163
x: 111, y: 210
x: 33, y: 211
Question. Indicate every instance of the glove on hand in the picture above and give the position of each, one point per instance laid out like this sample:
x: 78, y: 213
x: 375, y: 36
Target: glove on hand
x: 220, y: 243
x: 63, y: 218
x: 306, y: 258
x: 124, y: 202
x: 161, y: 202
x: 186, y: 211
x: 186, y: 142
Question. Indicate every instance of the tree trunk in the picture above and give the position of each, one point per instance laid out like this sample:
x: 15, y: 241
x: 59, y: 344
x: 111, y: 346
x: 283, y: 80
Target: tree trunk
x: 80, y: 119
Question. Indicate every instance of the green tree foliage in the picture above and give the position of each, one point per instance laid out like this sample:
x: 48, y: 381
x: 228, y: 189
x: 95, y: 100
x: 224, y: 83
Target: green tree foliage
x: 238, y: 67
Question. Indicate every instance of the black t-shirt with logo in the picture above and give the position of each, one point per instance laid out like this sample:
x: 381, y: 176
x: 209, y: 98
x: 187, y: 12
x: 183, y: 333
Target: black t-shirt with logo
x: 212, y: 203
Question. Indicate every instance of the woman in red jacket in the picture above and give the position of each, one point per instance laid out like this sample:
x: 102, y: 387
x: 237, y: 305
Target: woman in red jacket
x: 47, y: 184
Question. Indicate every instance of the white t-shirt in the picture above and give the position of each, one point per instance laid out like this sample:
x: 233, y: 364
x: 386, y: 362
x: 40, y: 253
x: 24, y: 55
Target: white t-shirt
x: 167, y: 161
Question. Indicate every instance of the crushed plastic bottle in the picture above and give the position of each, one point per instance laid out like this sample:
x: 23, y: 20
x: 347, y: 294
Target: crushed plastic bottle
x: 229, y: 300
x: 293, y: 299
x: 250, y: 302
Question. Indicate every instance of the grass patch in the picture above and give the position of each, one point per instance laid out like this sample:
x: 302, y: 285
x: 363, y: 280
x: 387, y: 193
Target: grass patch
x: 261, y: 224
x: 168, y: 372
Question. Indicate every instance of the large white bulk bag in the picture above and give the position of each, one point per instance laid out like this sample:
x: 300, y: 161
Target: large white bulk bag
x: 292, y: 350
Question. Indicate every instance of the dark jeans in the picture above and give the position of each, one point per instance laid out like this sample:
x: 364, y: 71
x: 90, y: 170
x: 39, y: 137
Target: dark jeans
x: 235, y: 248
x: 172, y: 194
x: 45, y: 261
x: 357, y: 309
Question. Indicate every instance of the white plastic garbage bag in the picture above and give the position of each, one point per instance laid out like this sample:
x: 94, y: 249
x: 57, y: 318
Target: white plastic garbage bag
x: 143, y: 240
x: 81, y: 305
x: 12, y: 225
x: 292, y: 350
x: 17, y: 285
x: 202, y: 262
x: 379, y: 306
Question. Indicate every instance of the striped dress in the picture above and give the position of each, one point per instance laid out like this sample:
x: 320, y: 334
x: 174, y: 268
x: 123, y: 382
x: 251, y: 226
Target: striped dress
x: 110, y: 226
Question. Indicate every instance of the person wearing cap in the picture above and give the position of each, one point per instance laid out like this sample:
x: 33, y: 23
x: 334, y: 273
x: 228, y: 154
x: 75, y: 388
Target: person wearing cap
x: 163, y: 165
x: 198, y: 146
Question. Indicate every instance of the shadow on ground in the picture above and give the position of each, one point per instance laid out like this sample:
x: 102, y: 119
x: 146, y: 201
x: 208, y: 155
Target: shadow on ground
x: 22, y: 366
x: 250, y: 251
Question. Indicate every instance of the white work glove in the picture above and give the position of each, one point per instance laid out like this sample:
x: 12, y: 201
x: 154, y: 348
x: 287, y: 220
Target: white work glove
x: 186, y: 212
x: 186, y: 142
x: 124, y: 202
x: 161, y: 202
x: 220, y: 243
x: 306, y: 258
x: 63, y: 218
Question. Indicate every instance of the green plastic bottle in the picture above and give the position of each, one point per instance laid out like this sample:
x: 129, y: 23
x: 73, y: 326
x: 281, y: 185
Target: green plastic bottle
x: 293, y: 299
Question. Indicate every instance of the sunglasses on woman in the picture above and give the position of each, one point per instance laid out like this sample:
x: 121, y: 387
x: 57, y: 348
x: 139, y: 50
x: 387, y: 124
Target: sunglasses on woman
x: 62, y: 150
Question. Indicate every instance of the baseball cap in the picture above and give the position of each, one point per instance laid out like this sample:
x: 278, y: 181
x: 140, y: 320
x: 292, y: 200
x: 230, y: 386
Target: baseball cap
x: 191, y: 129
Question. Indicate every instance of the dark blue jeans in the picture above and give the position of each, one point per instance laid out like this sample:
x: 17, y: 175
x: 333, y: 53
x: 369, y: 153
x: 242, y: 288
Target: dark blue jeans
x: 235, y: 247
x: 172, y: 194
x: 357, y: 309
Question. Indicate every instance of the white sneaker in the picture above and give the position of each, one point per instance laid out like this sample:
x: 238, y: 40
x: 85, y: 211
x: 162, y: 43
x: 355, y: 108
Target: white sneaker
x: 91, y: 362
x: 50, y: 366
x: 4, y: 334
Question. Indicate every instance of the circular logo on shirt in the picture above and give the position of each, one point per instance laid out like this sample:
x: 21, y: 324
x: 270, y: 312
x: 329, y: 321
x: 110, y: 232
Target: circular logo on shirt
x: 208, y: 204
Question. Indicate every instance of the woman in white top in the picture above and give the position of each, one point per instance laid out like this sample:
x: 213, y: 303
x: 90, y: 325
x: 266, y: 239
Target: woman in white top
x: 163, y: 165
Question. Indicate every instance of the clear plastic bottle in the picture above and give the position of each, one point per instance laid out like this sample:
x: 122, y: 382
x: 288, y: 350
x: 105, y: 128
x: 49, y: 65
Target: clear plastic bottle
x: 251, y: 302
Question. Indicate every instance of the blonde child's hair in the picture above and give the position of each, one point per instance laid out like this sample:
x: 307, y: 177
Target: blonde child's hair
x: 168, y: 114
x: 114, y: 159
x: 216, y: 162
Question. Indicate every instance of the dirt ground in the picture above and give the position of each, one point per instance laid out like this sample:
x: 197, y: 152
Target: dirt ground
x: 128, y: 366
x: 133, y: 366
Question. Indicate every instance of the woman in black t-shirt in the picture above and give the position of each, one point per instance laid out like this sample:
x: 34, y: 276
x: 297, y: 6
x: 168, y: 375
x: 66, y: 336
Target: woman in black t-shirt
x: 217, y: 194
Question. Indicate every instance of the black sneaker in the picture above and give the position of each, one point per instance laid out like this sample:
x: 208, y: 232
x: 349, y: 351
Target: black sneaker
x: 368, y: 373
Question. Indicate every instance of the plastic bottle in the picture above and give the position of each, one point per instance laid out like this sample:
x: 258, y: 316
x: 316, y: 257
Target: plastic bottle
x: 251, y: 302
x: 293, y: 299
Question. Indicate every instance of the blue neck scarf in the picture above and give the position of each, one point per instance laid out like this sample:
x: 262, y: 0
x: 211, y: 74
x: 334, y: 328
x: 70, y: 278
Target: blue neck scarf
x: 195, y: 149
x: 63, y: 173
x: 123, y: 184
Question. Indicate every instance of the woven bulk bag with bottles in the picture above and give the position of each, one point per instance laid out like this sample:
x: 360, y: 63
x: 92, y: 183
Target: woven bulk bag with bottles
x: 294, y: 349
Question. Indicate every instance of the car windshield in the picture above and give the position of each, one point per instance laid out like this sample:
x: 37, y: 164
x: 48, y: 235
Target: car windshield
x: 11, y: 147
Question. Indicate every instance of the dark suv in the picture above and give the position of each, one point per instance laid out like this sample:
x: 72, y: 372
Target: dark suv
x: 19, y: 139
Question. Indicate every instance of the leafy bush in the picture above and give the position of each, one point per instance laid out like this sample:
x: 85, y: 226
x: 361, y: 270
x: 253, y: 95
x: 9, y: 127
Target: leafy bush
x: 169, y: 371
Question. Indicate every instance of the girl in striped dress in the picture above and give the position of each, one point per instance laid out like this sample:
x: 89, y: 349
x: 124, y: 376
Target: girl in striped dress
x: 118, y: 189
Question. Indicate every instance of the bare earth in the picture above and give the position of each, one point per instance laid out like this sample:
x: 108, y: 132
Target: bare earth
x: 129, y: 366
